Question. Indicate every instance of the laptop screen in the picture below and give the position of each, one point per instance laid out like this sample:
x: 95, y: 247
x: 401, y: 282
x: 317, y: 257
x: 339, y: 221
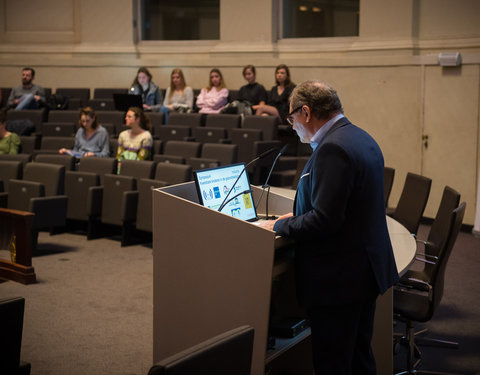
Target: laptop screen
x: 214, y: 184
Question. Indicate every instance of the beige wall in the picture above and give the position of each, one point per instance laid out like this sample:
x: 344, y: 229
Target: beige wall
x: 388, y: 77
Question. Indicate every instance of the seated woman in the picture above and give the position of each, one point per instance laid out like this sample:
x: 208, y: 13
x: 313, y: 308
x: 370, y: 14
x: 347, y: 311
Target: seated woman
x: 179, y: 96
x: 9, y: 142
x: 213, y: 97
x: 91, y: 139
x: 253, y: 92
x: 135, y: 143
x: 277, y: 102
x: 143, y: 85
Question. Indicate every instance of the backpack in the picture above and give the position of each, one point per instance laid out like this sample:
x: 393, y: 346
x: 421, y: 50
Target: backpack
x: 238, y: 107
x: 57, y: 101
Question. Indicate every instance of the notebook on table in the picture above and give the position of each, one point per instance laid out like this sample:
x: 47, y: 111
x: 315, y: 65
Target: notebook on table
x: 214, y: 184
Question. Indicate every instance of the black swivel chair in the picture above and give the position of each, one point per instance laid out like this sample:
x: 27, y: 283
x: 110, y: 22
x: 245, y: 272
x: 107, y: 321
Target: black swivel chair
x: 228, y: 353
x: 412, y: 202
x: 418, y: 300
x: 388, y: 175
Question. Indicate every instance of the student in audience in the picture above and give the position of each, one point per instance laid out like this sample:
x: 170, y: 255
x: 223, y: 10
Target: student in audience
x: 179, y: 96
x: 213, y: 97
x: 277, y: 102
x: 27, y: 95
x: 9, y: 142
x: 143, y: 85
x: 253, y: 92
x: 135, y: 143
x: 91, y: 139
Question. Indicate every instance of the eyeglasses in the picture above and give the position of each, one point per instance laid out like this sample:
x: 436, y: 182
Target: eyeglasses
x: 290, y: 119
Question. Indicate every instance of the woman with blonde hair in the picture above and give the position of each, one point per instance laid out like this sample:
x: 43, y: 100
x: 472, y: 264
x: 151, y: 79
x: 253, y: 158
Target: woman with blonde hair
x: 213, y: 97
x: 179, y: 96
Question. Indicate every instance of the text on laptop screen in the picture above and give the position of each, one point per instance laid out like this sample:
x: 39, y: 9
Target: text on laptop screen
x: 214, y: 184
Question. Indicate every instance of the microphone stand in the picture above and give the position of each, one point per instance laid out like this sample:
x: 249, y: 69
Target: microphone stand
x: 266, y: 185
x: 261, y: 156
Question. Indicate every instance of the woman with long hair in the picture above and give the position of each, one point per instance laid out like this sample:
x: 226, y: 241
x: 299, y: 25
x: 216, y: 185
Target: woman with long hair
x: 144, y: 86
x: 179, y: 96
x: 91, y: 138
x: 277, y: 102
x: 213, y: 97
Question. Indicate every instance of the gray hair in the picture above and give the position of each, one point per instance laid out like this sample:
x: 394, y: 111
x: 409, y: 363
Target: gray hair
x: 322, y: 99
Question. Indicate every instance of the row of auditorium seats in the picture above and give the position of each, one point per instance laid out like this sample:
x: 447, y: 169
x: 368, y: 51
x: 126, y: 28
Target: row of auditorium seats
x: 102, y: 96
x: 93, y: 194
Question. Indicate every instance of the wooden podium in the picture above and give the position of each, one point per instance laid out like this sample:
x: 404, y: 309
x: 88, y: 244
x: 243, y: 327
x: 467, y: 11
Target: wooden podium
x: 213, y: 273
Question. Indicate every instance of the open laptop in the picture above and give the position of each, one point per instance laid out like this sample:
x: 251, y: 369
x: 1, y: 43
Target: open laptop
x: 214, y: 184
x: 123, y: 102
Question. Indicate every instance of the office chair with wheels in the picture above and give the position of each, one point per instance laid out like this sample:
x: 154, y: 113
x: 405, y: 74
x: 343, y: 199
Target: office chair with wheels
x: 228, y: 353
x: 412, y: 202
x: 436, y: 238
x: 418, y: 300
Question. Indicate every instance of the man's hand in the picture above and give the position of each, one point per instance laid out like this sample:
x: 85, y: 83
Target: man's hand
x: 269, y: 224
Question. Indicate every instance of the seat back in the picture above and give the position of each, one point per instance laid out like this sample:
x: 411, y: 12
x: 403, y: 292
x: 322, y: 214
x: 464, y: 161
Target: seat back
x: 80, y: 93
x: 68, y: 116
x: 267, y: 124
x: 412, y: 201
x: 52, y: 176
x: 209, y: 135
x: 58, y: 129
x: 171, y: 132
x: 144, y: 207
x: 77, y: 187
x: 228, y: 353
x: 112, y: 202
x: 438, y: 274
x: 436, y: 237
x: 10, y: 170
x: 182, y: 148
x: 67, y: 161
x: 388, y: 175
x: 100, y: 166
x: 107, y: 92
x: 187, y: 119
x: 218, y: 120
x: 53, y: 144
x: 224, y: 153
x: 11, y: 313
x: 156, y: 118
x: 101, y: 104
x: 173, y: 173
x: 116, y: 118
x: 36, y: 116
x: 245, y: 139
x: 138, y: 168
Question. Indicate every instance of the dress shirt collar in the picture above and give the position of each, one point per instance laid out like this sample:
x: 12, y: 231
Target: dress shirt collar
x: 320, y: 134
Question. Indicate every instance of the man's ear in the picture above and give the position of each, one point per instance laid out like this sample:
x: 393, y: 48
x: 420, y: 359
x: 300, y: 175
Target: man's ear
x: 308, y: 113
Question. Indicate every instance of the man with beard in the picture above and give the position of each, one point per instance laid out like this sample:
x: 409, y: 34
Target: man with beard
x: 27, y: 95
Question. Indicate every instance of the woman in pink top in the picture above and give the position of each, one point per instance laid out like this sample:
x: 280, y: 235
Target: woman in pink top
x: 213, y: 97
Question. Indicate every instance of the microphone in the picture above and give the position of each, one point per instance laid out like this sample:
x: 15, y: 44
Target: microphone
x: 261, y: 156
x: 265, y: 185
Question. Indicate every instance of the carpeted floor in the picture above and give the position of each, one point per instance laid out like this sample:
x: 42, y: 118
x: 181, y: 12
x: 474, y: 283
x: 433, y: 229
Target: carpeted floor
x: 91, y: 310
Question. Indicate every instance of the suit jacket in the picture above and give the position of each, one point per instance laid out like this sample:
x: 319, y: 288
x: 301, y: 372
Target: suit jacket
x: 343, y: 251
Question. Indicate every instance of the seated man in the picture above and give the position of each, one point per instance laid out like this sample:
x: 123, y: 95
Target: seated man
x: 27, y: 95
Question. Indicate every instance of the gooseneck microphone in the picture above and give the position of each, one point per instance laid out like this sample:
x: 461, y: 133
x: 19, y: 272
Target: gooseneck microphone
x: 261, y: 156
x: 265, y: 185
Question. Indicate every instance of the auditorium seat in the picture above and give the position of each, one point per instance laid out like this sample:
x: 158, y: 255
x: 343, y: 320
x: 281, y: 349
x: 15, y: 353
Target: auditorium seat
x: 188, y: 119
x: 178, y: 152
x: 58, y: 129
x: 165, y: 174
x: 215, y: 154
x: 171, y: 132
x: 107, y: 92
x: 267, y: 124
x: 81, y: 94
x: 68, y: 161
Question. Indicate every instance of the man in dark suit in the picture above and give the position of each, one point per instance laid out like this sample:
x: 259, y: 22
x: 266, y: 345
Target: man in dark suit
x: 343, y: 254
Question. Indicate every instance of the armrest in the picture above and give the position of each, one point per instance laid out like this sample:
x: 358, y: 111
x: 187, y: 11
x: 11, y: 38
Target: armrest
x: 414, y: 284
x: 94, y: 201
x: 49, y: 211
x: 129, y: 207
